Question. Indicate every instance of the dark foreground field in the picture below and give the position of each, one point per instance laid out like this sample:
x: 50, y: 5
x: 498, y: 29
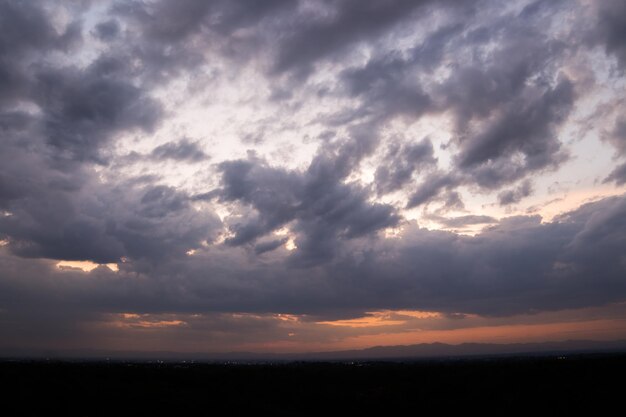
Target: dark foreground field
x: 550, y: 384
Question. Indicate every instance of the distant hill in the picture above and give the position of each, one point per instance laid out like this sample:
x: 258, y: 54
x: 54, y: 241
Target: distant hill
x: 434, y: 350
x: 418, y: 351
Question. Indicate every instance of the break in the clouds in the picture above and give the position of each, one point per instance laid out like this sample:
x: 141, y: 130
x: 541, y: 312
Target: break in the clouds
x: 249, y: 174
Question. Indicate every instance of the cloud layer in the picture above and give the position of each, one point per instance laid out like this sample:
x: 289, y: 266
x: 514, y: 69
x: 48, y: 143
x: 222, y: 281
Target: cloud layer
x: 316, y: 160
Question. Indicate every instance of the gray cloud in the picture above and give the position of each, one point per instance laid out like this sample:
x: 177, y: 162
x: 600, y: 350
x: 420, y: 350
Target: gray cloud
x: 515, y: 195
x: 609, y: 28
x: 84, y: 108
x: 107, y: 31
x: 462, y: 221
x: 618, y: 175
x: 617, y: 135
x: 180, y: 151
x: 26, y: 32
x: 387, y: 85
x: 348, y: 22
x: 508, y: 98
x: 617, y: 138
x: 172, y: 40
x: 520, y: 128
x: 325, y: 210
x: 432, y: 187
x: 385, y: 90
x: 269, y: 245
x: 401, y: 162
x: 517, y: 266
x: 169, y: 24
x: 507, y: 113
x: 101, y: 223
x: 506, y: 77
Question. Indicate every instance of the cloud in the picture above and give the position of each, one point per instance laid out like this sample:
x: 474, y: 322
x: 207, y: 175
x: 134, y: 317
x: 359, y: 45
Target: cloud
x: 508, y: 99
x: 172, y: 40
x: 522, y: 127
x: 617, y: 135
x: 179, y: 151
x: 77, y: 109
x: 165, y: 23
x: 88, y: 220
x: 269, y: 245
x: 387, y: 85
x: 520, y: 265
x: 84, y: 108
x: 617, y: 138
x: 365, y: 109
x: 343, y: 24
x: 609, y: 29
x: 72, y: 215
x: 515, y: 195
x: 107, y: 31
x: 507, y: 115
x: 618, y: 175
x: 462, y: 221
x: 385, y: 90
x: 323, y: 209
x: 27, y: 31
x: 431, y: 187
x: 401, y: 162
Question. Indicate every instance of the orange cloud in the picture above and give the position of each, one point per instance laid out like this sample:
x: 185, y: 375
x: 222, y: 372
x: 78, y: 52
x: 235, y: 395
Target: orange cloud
x: 382, y: 318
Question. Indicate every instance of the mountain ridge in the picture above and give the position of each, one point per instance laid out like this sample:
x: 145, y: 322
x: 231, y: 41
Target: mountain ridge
x: 432, y: 350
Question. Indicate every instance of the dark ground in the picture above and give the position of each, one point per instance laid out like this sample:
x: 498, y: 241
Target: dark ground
x: 547, y: 385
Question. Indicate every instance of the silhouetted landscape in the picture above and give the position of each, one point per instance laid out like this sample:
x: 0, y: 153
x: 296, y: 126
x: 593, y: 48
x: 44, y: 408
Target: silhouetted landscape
x: 581, y: 382
x: 387, y: 353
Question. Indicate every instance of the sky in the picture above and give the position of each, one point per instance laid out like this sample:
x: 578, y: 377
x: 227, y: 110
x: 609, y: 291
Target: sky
x: 311, y: 175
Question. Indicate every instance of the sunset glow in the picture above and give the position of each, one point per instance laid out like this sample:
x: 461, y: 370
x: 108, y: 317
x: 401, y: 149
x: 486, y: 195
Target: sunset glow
x: 300, y: 176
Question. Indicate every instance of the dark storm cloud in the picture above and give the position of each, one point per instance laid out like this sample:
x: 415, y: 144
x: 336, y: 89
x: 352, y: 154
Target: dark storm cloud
x: 269, y: 246
x: 519, y: 266
x: 180, y: 151
x: 618, y: 175
x: 325, y: 209
x: 451, y: 201
x: 610, y: 28
x: 345, y: 23
x: 56, y: 206
x: 515, y: 195
x: 248, y: 13
x: 508, y: 98
x: 400, y: 163
x: 25, y: 25
x: 60, y: 209
x: 108, y: 30
x: 84, y: 108
x: 79, y: 108
x: 26, y: 31
x: 432, y: 187
x: 524, y: 128
x: 386, y: 88
x: 506, y: 111
x: 103, y: 224
x: 171, y: 23
x: 171, y: 39
x: 387, y: 85
x: 296, y: 37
